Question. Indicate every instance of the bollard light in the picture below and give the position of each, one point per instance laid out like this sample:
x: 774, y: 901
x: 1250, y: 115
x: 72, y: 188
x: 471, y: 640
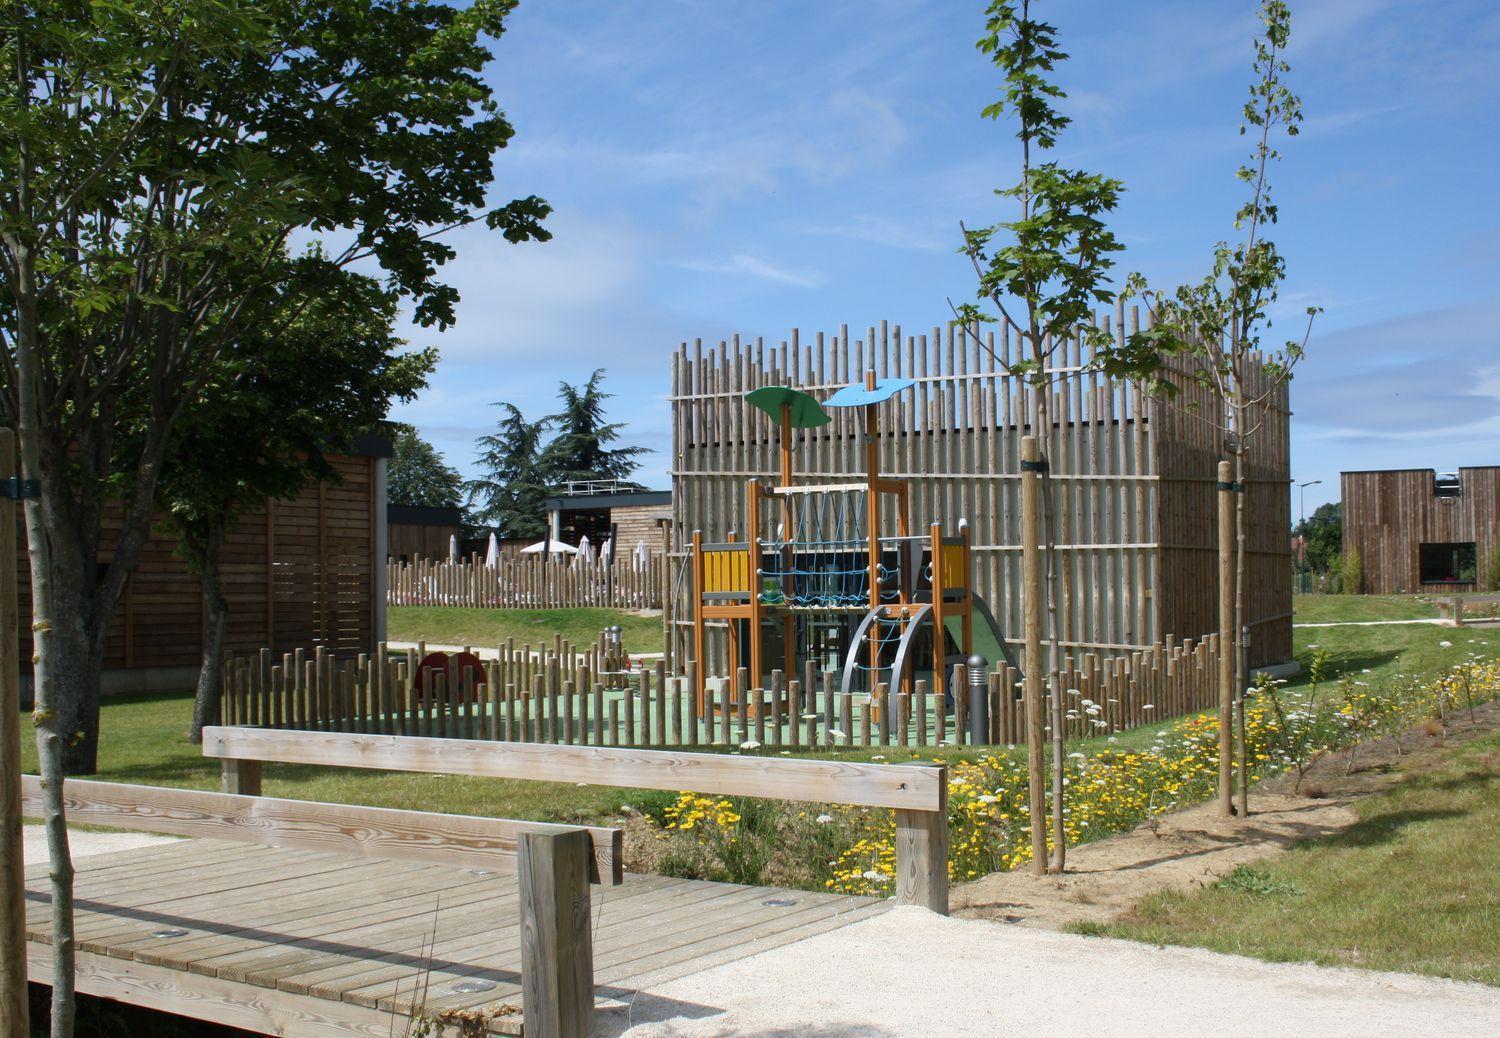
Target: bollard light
x: 979, y: 700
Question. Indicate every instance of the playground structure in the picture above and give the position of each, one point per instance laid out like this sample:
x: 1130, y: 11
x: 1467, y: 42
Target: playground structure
x: 1133, y: 475
x: 816, y: 577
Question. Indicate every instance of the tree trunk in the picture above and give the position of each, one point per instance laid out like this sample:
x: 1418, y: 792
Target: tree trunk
x: 50, y: 741
x: 1241, y: 538
x: 210, y: 692
x: 1043, y: 411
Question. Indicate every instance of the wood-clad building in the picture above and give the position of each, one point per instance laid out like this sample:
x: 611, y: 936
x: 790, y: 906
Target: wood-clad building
x: 595, y: 510
x: 1420, y: 531
x: 422, y: 532
x: 298, y: 574
x: 1134, y: 475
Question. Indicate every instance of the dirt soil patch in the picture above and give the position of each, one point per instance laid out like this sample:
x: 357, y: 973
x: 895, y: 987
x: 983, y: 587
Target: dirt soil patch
x: 1195, y: 847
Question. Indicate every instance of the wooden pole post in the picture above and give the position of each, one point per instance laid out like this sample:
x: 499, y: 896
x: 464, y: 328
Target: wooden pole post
x: 13, y: 1000
x: 557, y: 952
x: 700, y: 640
x: 1031, y: 605
x: 922, y: 854
x: 240, y: 776
x: 1226, y: 638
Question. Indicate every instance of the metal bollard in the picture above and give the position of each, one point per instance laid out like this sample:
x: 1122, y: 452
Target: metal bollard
x: 979, y: 700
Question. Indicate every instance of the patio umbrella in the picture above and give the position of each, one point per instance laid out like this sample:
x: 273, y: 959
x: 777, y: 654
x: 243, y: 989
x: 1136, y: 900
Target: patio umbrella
x: 492, y: 553
x: 551, y: 547
x: 453, y: 548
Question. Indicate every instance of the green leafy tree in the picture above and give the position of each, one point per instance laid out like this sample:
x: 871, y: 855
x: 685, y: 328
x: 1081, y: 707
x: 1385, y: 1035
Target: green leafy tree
x: 511, y: 492
x: 1053, y: 261
x: 418, y: 475
x: 1217, y: 322
x: 266, y: 430
x: 581, y: 449
x: 1322, y: 536
x: 155, y: 158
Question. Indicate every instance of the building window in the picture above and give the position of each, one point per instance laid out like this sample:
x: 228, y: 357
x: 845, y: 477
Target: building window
x: 1449, y: 563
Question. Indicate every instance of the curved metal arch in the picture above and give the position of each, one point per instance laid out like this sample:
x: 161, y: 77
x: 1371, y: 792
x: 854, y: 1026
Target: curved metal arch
x: 923, y: 614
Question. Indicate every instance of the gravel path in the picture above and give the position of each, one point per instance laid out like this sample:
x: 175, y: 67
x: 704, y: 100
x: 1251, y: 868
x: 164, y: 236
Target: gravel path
x: 909, y: 972
x: 86, y: 843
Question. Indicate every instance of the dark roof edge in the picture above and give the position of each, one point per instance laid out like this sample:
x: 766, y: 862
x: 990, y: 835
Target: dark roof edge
x: 594, y: 502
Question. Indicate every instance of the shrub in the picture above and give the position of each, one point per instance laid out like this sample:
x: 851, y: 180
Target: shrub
x: 1352, y: 572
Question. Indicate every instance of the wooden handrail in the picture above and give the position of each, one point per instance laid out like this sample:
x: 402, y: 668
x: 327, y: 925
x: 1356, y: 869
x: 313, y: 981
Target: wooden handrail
x: 917, y: 793
x: 372, y: 832
x: 914, y: 787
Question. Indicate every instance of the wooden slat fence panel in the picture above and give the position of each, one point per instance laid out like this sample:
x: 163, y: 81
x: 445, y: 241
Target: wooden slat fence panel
x: 528, y: 582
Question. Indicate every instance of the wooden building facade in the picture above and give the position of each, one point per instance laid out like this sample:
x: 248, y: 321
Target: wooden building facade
x: 298, y: 574
x: 1420, y: 531
x: 637, y: 515
x: 1134, y: 475
x: 419, y: 532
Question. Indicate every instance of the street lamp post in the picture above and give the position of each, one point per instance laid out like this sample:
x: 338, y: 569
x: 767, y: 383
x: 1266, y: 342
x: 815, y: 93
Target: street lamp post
x: 1302, y: 497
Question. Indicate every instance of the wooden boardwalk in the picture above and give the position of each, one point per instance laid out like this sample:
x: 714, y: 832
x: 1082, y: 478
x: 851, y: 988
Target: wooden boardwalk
x: 305, y: 943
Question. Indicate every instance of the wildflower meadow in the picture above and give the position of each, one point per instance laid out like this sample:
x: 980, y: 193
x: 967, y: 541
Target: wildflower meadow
x: 1107, y: 790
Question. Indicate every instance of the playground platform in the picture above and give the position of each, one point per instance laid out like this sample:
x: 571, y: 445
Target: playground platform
x: 300, y: 942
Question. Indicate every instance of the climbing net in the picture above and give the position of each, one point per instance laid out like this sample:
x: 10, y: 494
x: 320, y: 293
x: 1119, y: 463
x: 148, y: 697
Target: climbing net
x: 823, y: 560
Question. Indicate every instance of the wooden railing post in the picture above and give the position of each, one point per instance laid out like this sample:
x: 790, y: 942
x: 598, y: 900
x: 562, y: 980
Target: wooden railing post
x: 557, y: 952
x: 922, y: 853
x: 240, y: 776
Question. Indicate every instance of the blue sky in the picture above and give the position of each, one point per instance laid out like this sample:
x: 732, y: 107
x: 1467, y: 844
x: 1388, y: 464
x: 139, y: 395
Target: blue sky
x: 721, y: 167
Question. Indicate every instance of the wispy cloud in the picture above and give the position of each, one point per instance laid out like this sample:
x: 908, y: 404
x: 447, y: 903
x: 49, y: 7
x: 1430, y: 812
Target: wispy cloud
x: 744, y: 265
x: 882, y: 230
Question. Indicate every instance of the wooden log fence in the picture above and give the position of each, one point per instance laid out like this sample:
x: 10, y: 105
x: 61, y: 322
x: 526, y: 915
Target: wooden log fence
x: 527, y: 582
x: 562, y: 695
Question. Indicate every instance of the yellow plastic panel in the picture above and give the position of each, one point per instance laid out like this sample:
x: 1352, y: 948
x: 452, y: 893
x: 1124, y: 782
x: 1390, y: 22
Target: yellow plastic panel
x: 726, y: 571
x: 955, y: 573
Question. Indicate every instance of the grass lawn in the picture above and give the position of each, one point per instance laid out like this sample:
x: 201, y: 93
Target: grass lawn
x: 1388, y: 651
x: 454, y: 625
x: 1413, y: 886
x: 1317, y: 609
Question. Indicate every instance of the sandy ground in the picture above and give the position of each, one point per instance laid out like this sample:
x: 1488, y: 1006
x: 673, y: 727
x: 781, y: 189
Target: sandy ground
x: 83, y: 844
x: 910, y: 972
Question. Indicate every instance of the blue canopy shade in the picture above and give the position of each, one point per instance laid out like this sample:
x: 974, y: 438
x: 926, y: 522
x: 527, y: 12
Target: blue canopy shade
x: 857, y: 395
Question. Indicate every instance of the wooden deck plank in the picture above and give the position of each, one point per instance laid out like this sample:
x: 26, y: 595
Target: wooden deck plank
x: 308, y: 916
x: 103, y: 914
x: 337, y: 946
x: 496, y: 955
x: 453, y: 948
x: 501, y: 961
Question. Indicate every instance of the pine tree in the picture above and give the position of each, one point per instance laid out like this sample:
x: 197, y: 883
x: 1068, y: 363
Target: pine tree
x: 581, y: 448
x: 511, y: 493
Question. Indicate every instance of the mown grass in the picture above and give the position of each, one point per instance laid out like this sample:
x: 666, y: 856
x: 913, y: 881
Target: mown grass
x: 1413, y: 886
x: 455, y: 625
x: 1315, y: 609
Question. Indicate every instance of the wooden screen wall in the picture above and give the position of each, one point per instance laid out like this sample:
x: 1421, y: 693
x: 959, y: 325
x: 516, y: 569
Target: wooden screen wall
x: 956, y: 437
x: 299, y: 574
x: 1189, y: 446
x: 1387, y: 515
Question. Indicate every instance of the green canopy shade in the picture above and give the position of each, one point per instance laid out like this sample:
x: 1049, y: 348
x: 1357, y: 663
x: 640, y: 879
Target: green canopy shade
x: 807, y: 413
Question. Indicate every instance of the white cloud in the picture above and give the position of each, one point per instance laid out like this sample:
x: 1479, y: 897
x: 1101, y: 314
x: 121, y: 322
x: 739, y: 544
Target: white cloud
x: 743, y: 265
x: 882, y: 230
